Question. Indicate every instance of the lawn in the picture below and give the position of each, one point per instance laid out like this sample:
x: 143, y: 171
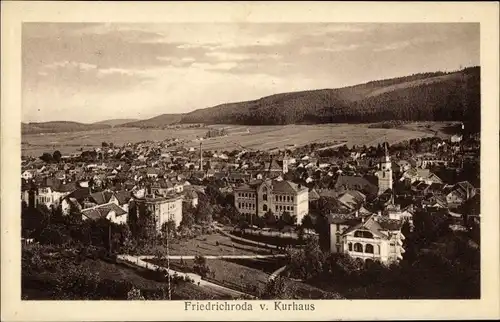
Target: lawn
x: 42, y: 285
x: 213, y: 244
x: 226, y: 273
x: 253, y: 137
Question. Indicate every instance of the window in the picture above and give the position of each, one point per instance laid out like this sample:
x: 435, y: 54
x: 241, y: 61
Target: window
x: 239, y: 204
x: 363, y: 234
x: 291, y: 208
x: 264, y: 197
x: 338, y: 239
x: 281, y: 208
x: 288, y: 198
x: 276, y: 198
x: 369, y: 248
x: 264, y: 207
x: 276, y: 208
x: 358, y: 248
x: 291, y: 198
x: 350, y: 247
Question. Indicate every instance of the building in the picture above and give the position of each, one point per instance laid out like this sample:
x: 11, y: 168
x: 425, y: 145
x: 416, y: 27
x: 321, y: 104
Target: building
x: 456, y: 138
x: 417, y: 174
x: 459, y: 193
x: 110, y: 211
x: 384, y: 175
x: 259, y: 197
x: 162, y: 208
x: 367, y: 237
x: 51, y: 193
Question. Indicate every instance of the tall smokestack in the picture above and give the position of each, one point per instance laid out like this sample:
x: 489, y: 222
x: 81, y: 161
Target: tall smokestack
x: 201, y: 158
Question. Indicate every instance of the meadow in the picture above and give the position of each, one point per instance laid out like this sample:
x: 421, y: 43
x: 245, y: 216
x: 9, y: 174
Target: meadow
x: 249, y: 137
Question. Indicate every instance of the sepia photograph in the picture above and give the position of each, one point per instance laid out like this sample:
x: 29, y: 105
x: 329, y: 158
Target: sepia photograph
x: 218, y: 164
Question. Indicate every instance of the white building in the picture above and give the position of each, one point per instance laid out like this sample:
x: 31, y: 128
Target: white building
x: 367, y: 237
x: 163, y: 209
x: 384, y: 175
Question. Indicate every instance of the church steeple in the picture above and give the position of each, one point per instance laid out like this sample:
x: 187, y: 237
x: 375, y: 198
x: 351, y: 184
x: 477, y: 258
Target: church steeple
x: 385, y: 173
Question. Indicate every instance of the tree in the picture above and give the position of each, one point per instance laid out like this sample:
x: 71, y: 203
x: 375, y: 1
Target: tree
x: 204, y: 213
x: 56, y: 156
x: 200, y: 266
x: 278, y: 288
x: 288, y: 219
x: 269, y: 219
x: 135, y: 294
x: 47, y: 157
x: 307, y: 222
x: 169, y: 227
x: 104, y: 144
x: 188, y: 216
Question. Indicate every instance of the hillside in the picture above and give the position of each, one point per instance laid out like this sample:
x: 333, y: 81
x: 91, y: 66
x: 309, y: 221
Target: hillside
x: 156, y: 122
x: 59, y: 126
x: 421, y: 97
x: 116, y: 122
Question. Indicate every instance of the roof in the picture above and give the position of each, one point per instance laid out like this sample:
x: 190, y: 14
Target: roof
x: 122, y: 196
x: 102, y: 211
x: 79, y: 194
x: 313, y: 194
x: 377, y: 226
x: 101, y: 197
x: 354, y: 182
x: 287, y: 186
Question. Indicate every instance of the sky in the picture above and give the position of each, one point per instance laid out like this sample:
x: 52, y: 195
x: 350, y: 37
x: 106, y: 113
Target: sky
x: 91, y: 72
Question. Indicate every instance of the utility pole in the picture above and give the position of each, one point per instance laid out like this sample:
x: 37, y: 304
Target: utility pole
x: 168, y: 260
x: 109, y: 238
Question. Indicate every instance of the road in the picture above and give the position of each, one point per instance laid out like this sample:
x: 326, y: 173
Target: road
x: 216, y: 288
x: 217, y: 256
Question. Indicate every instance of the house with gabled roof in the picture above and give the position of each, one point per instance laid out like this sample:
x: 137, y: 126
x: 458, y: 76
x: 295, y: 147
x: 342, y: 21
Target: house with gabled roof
x: 51, y: 192
x: 459, y: 193
x: 366, y: 237
x: 109, y: 211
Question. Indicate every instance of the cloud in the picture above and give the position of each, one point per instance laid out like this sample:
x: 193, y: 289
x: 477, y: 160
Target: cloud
x: 125, y: 69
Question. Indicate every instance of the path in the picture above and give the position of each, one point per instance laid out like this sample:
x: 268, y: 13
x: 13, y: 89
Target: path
x: 137, y: 261
x: 276, y: 273
x: 216, y: 256
x: 249, y: 241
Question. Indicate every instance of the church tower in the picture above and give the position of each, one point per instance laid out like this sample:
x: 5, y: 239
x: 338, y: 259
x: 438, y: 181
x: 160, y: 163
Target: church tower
x: 285, y: 163
x: 385, y: 173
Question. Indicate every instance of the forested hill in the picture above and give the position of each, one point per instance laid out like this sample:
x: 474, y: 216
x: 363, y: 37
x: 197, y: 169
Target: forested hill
x: 421, y: 97
x: 156, y: 122
x: 59, y: 126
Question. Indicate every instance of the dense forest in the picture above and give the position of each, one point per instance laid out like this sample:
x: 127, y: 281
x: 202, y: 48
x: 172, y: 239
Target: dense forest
x: 422, y: 97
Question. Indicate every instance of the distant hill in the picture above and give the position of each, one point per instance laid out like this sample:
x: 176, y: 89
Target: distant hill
x: 436, y: 96
x: 439, y: 96
x: 116, y: 122
x: 156, y: 122
x: 59, y: 126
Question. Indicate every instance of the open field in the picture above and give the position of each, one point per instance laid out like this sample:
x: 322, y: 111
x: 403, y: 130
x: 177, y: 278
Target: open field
x: 251, y: 137
x: 215, y: 245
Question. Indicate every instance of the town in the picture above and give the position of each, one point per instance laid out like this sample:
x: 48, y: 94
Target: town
x: 160, y: 220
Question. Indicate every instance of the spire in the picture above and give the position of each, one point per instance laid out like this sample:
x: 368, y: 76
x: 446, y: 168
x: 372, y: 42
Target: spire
x: 385, y: 149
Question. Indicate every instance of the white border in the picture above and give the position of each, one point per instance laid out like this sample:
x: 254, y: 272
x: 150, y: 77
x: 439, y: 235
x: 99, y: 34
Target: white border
x: 13, y: 13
